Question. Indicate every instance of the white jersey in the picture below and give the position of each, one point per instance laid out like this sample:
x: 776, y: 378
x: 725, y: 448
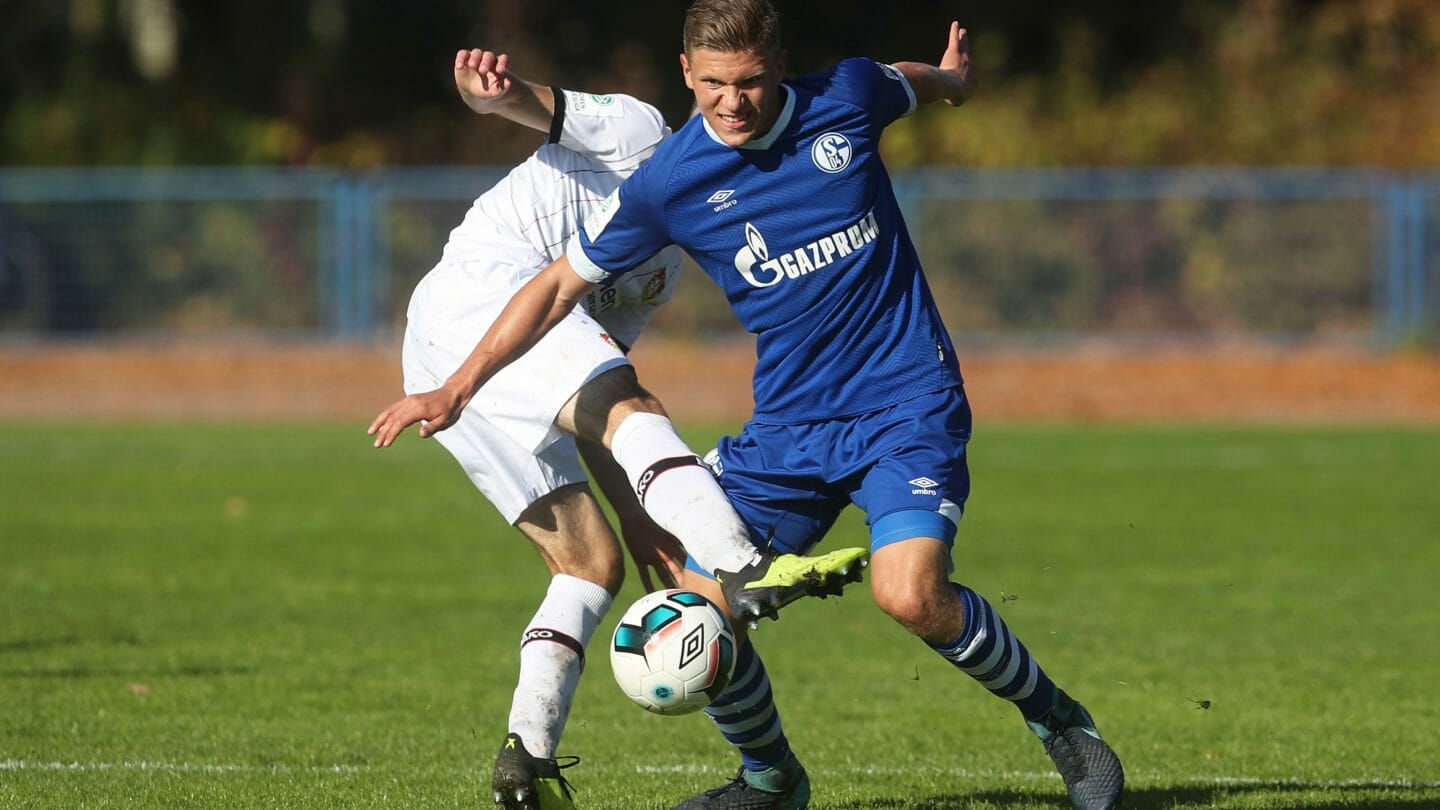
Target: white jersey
x: 506, y: 439
x: 522, y: 223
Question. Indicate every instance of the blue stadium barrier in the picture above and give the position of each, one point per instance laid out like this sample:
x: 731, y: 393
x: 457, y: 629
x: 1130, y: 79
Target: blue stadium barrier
x: 101, y: 252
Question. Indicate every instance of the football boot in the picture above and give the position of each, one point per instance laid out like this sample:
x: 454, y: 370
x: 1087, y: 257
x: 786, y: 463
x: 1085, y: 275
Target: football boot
x: 1092, y: 773
x: 783, y: 787
x: 525, y: 782
x: 761, y: 589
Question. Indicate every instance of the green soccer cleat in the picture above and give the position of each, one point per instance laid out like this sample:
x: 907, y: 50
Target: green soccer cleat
x: 761, y: 589
x: 1092, y: 773
x: 525, y: 782
x: 783, y: 787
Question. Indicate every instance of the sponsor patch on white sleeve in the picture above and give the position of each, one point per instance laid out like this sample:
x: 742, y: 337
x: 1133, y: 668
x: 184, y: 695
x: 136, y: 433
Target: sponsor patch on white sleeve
x: 597, y: 220
x: 606, y: 106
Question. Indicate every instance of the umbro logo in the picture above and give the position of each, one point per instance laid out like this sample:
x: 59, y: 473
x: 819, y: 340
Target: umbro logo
x: 722, y: 199
x: 923, y: 486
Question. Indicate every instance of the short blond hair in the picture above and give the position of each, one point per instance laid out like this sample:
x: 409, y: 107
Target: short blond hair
x: 751, y: 26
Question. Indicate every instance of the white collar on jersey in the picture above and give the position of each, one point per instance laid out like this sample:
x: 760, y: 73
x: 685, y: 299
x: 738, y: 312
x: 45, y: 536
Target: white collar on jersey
x: 768, y: 139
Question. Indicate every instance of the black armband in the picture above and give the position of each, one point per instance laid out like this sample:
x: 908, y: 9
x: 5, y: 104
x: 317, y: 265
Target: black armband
x: 557, y: 122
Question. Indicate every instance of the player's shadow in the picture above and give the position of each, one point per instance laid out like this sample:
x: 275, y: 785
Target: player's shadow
x: 25, y: 645
x: 82, y: 670
x: 1337, y: 796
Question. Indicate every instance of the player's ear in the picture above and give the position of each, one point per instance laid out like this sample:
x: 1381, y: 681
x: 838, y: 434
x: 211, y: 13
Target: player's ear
x: 685, y: 70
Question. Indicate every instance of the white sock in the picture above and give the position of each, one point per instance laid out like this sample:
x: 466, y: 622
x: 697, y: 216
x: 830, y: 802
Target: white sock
x: 684, y: 499
x: 551, y: 659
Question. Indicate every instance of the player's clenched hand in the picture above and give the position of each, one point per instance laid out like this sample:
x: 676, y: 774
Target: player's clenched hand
x: 482, y: 77
x: 956, y: 62
x: 437, y: 410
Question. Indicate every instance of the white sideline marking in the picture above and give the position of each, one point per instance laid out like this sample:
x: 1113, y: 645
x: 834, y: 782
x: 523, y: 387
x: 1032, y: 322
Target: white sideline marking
x: 173, y: 767
x: 1041, y: 776
x: 869, y: 770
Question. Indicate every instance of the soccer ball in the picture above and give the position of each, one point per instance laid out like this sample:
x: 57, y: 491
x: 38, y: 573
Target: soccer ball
x: 673, y: 652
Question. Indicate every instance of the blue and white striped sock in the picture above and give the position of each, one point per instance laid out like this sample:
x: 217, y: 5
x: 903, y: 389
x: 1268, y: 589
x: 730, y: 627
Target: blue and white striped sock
x: 745, y: 713
x: 987, y: 651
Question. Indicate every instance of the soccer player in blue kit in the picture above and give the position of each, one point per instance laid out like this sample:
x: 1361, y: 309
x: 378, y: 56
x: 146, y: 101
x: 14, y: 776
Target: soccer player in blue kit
x: 777, y: 190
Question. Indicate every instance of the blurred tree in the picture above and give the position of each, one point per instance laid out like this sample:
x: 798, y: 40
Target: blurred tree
x: 356, y: 83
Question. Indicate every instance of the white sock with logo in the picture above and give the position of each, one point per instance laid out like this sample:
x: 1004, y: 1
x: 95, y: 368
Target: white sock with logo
x: 682, y: 497
x: 552, y: 655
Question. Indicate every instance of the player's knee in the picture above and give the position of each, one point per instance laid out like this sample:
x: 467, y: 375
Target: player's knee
x: 619, y: 389
x: 914, y: 604
x: 603, y: 403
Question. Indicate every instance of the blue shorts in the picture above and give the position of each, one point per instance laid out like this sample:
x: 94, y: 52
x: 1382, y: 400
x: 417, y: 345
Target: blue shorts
x: 904, y: 465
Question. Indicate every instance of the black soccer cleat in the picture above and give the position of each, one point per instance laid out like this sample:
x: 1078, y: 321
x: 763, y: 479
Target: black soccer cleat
x: 1093, y: 775
x: 785, y: 787
x: 761, y: 589
x: 525, y: 782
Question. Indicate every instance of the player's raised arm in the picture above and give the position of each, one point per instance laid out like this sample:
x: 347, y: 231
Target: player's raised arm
x: 951, y: 81
x: 487, y: 86
x: 534, y: 310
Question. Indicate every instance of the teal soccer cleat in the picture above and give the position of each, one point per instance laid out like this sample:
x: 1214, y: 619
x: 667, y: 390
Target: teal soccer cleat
x: 783, y: 787
x: 1093, y: 775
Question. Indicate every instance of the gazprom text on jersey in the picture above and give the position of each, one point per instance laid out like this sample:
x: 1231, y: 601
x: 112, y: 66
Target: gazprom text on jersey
x: 817, y: 254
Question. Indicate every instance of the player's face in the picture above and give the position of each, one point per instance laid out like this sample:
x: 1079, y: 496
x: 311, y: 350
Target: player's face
x: 738, y: 92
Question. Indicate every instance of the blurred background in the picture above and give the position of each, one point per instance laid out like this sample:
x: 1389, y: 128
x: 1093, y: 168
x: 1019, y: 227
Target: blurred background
x: 1202, y: 189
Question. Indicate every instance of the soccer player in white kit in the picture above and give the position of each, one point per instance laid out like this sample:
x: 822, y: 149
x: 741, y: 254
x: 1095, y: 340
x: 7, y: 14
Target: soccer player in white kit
x: 515, y: 438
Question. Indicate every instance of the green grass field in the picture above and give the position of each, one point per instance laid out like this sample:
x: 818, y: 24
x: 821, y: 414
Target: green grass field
x: 284, y: 617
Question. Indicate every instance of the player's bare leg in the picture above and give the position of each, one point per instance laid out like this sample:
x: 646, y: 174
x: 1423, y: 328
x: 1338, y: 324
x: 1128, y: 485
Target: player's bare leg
x: 586, y: 566
x: 680, y: 494
x: 911, y: 582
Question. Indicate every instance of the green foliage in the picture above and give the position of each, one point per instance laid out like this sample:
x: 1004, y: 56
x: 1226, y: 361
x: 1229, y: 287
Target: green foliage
x: 283, y: 617
x: 357, y: 85
x: 147, y: 266
x: 1158, y: 267
x: 1278, y: 82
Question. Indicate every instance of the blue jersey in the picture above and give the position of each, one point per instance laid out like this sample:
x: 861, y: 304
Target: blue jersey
x: 802, y: 231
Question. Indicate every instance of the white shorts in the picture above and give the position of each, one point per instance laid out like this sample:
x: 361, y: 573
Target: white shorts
x: 506, y: 439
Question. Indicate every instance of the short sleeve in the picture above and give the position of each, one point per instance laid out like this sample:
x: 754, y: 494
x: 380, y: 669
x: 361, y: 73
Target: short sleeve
x: 624, y: 231
x: 615, y: 128
x: 876, y: 87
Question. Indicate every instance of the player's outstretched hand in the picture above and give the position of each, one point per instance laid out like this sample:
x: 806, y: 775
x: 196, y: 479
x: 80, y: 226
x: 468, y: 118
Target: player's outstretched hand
x: 482, y: 77
x: 956, y: 62
x: 436, y: 410
x: 657, y: 554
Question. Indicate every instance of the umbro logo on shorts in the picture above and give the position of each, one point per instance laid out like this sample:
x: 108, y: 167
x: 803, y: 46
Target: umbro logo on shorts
x: 923, y: 486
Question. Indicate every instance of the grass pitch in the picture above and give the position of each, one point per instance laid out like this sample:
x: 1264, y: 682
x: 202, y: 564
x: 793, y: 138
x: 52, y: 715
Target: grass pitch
x: 284, y: 617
